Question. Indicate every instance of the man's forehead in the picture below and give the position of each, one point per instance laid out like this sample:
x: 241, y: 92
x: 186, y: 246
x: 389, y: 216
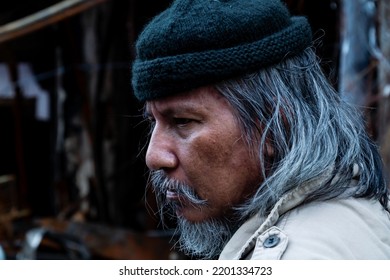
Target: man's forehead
x: 170, y: 108
x: 195, y: 100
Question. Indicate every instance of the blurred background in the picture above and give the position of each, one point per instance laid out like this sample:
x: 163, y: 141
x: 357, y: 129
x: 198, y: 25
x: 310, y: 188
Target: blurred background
x: 72, y: 139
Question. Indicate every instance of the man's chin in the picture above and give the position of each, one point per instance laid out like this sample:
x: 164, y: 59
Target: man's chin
x: 203, y: 238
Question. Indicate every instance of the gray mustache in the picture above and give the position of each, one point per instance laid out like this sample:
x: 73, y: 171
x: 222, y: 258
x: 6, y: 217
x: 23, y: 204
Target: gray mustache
x: 161, y: 183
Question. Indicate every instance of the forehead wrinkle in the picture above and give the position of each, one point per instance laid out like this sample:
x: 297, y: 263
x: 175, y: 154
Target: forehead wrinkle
x: 195, y: 102
x: 170, y: 108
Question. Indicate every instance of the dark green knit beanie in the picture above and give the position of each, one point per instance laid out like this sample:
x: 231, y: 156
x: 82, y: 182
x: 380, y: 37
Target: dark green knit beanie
x: 200, y: 42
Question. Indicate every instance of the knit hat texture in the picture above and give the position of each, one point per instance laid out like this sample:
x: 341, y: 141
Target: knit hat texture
x: 195, y: 43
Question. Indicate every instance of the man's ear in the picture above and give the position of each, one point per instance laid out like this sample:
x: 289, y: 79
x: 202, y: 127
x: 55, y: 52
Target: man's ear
x: 269, y: 149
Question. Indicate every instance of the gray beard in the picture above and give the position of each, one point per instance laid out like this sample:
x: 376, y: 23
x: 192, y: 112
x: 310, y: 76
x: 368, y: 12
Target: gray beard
x: 204, y: 239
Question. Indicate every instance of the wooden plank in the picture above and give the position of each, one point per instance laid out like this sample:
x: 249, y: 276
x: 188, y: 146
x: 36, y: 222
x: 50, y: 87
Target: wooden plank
x: 45, y: 17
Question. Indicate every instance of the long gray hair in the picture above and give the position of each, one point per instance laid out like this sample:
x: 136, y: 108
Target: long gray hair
x: 292, y: 108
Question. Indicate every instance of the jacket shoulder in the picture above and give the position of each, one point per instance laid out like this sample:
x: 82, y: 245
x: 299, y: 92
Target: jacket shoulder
x: 337, y: 229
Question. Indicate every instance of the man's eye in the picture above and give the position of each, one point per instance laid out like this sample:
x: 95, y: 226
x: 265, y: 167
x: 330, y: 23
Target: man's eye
x: 182, y: 121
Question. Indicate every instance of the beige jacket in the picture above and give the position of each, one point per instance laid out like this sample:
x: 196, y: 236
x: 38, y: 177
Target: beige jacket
x: 337, y: 229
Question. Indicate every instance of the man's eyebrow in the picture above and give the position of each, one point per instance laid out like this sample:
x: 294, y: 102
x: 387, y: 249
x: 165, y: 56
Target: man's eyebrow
x: 172, y: 110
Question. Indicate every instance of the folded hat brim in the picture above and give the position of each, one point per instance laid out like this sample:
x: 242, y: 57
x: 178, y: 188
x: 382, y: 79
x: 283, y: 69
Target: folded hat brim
x: 169, y: 75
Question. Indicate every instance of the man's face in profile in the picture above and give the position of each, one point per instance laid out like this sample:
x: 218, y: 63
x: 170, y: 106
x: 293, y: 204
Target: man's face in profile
x: 200, y: 163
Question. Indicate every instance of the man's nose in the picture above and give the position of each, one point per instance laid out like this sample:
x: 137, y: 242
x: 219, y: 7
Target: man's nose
x: 160, y: 153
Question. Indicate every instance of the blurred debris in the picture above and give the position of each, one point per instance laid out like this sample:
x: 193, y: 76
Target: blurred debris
x: 8, y: 194
x: 63, y: 246
x: 357, y: 67
x: 6, y: 86
x: 54, y: 239
x: 383, y: 119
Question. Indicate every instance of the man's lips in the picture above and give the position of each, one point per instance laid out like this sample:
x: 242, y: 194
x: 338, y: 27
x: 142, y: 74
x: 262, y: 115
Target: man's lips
x: 176, y: 198
x: 180, y: 202
x: 172, y: 195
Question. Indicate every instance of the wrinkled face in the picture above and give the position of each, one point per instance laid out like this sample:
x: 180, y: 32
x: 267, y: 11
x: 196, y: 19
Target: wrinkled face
x: 196, y: 140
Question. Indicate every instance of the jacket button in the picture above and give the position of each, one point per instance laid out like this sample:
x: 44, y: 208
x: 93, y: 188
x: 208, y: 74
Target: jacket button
x: 271, y: 241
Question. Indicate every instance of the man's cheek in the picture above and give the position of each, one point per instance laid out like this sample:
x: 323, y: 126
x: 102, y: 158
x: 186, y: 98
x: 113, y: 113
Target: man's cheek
x: 213, y: 154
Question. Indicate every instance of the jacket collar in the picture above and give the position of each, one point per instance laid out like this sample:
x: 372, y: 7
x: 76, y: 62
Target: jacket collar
x: 245, y: 237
